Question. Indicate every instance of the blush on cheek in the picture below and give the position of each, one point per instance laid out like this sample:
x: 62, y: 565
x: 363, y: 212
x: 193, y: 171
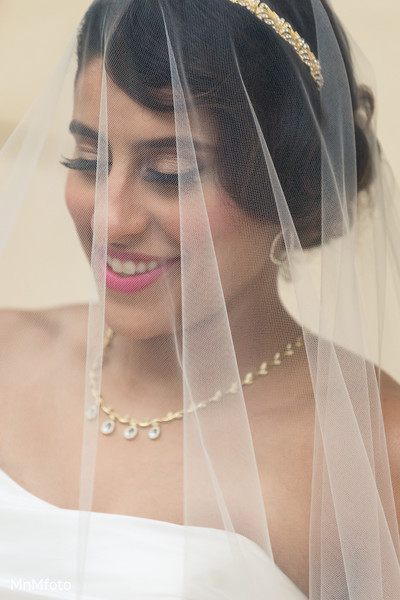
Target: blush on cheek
x: 215, y: 213
x: 80, y: 209
x: 222, y: 210
x: 70, y: 204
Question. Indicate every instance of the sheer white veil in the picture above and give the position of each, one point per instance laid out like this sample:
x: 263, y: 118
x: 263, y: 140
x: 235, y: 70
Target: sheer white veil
x: 271, y: 215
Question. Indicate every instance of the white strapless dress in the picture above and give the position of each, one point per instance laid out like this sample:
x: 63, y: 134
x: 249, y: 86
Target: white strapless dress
x: 127, y: 557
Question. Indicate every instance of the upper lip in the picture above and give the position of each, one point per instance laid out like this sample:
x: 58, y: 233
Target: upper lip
x: 136, y: 256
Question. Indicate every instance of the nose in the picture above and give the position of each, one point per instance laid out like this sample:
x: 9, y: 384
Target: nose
x: 127, y: 215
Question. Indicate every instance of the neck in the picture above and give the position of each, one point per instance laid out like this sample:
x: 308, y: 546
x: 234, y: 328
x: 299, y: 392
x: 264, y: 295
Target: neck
x: 260, y: 327
x: 257, y: 325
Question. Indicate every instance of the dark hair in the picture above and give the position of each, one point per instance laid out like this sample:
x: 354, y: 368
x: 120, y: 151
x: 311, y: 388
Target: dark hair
x: 137, y: 60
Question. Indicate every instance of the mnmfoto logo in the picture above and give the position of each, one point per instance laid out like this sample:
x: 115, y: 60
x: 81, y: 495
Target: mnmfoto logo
x: 40, y: 585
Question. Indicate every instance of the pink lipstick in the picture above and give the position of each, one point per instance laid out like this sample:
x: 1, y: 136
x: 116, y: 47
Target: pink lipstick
x: 129, y: 284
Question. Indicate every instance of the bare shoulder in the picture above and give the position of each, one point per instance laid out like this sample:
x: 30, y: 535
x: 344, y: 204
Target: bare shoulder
x: 41, y: 352
x: 390, y: 400
x: 42, y: 371
x: 24, y: 330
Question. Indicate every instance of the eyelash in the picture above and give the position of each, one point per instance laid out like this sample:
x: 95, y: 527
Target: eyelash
x: 153, y: 176
x: 172, y: 179
x: 80, y: 164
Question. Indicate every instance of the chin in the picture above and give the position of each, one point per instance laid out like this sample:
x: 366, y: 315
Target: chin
x: 141, y: 325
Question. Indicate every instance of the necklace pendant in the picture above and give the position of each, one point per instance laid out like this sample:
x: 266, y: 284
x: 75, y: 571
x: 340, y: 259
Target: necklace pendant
x: 249, y: 379
x: 131, y: 432
x: 263, y: 370
x: 288, y: 350
x: 108, y: 427
x: 277, y: 360
x: 233, y: 389
x: 91, y: 412
x: 155, y: 432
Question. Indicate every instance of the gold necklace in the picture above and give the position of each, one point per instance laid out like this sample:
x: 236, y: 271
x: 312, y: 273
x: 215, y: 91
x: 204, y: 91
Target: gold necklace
x: 132, y: 425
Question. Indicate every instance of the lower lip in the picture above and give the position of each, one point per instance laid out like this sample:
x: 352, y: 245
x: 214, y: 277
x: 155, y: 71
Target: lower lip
x: 135, y: 283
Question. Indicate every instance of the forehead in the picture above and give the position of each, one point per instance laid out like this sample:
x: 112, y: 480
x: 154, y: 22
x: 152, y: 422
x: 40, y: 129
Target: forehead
x: 127, y: 115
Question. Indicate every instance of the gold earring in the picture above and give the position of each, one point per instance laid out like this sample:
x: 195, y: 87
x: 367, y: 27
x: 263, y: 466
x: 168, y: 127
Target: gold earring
x: 278, y: 259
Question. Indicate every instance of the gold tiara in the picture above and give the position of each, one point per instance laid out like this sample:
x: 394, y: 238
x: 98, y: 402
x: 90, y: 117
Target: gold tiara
x: 286, y: 31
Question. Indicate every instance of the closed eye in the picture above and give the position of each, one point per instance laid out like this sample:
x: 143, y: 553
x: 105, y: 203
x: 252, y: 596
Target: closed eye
x: 81, y: 164
x: 158, y: 177
x: 151, y: 175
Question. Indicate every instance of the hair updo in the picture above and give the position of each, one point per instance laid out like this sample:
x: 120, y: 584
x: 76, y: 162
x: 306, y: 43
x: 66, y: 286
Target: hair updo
x: 223, y: 48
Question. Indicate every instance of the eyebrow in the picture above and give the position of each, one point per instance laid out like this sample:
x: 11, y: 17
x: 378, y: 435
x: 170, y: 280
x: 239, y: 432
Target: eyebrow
x: 79, y: 128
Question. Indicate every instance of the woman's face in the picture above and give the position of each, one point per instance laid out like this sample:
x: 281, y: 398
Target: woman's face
x: 143, y: 277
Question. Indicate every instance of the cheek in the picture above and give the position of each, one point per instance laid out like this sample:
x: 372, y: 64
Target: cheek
x: 241, y: 244
x: 223, y: 218
x: 169, y: 220
x: 79, y: 202
x: 201, y: 214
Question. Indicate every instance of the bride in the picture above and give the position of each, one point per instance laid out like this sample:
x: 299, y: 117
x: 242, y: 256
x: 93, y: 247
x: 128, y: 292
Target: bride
x: 206, y: 412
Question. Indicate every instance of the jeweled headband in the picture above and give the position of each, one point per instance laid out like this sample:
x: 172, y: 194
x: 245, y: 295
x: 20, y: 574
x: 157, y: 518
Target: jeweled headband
x: 286, y: 31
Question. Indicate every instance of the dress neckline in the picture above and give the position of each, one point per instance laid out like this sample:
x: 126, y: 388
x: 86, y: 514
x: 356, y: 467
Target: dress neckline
x: 165, y: 525
x: 30, y: 496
